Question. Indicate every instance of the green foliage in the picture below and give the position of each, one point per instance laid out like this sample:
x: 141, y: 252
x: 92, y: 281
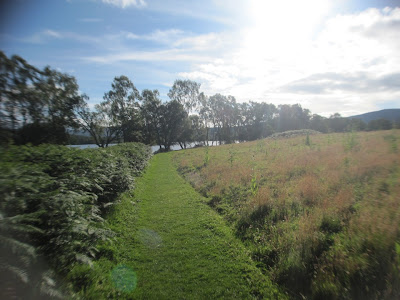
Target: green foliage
x: 330, y: 224
x: 397, y: 249
x: 293, y: 133
x: 167, y: 124
x: 122, y: 108
x: 392, y: 140
x: 255, y: 120
x: 254, y: 184
x: 308, y: 143
x: 53, y: 200
x: 149, y: 111
x: 231, y: 157
x: 292, y: 117
x: 172, y: 118
x: 36, y: 105
x: 206, y: 156
x: 115, y: 118
x: 76, y: 139
x: 380, y: 124
x: 356, y: 125
x: 319, y: 123
x: 351, y: 142
x: 186, y: 92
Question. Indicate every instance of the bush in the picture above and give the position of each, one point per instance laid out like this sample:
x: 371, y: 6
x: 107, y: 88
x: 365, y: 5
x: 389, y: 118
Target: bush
x: 53, y: 200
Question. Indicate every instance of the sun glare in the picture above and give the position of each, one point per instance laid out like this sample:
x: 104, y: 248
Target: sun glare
x: 279, y: 33
x: 287, y: 17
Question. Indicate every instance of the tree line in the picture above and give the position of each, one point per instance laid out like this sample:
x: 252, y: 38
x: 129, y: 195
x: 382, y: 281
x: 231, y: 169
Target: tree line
x: 43, y: 106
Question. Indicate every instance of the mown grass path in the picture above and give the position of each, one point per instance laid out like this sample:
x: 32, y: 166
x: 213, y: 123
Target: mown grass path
x: 179, y: 247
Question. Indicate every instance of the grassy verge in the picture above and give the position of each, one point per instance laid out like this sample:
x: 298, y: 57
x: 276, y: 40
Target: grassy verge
x: 170, y: 245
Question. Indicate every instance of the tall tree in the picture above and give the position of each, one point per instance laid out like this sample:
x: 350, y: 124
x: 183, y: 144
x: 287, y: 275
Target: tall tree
x: 380, y: 124
x: 207, y: 116
x: 319, y: 123
x: 355, y: 124
x: 258, y: 119
x: 121, y: 104
x: 150, y: 111
x: 185, y: 135
x: 291, y: 117
x: 99, y: 125
x: 186, y: 92
x: 17, y: 78
x: 198, y: 129
x: 224, y: 116
x: 337, y: 123
x: 172, y: 118
x: 36, y: 106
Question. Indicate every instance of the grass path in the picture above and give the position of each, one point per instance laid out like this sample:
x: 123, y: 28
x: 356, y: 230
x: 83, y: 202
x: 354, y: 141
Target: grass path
x: 178, y: 247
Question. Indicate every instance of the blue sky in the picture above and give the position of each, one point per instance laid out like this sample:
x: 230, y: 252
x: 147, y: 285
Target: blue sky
x: 329, y: 56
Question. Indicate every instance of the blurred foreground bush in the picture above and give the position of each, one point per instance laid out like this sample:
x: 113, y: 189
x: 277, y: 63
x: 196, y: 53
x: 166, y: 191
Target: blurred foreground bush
x: 52, y: 203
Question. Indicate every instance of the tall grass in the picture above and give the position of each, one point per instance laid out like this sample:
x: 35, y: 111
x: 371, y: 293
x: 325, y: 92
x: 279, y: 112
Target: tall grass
x: 323, y: 220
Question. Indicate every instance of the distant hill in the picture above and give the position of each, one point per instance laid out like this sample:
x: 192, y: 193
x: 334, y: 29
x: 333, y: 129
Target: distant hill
x: 388, y: 114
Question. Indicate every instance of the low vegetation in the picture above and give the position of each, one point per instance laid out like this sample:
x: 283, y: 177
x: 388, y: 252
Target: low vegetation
x: 53, y: 203
x: 293, y: 133
x: 170, y: 245
x: 319, y: 213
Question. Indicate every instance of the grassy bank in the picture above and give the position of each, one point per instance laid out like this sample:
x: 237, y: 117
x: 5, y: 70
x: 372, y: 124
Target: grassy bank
x: 171, y: 245
x: 320, y: 214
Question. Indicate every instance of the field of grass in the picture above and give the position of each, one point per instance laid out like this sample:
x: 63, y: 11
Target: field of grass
x: 170, y: 244
x: 319, y: 214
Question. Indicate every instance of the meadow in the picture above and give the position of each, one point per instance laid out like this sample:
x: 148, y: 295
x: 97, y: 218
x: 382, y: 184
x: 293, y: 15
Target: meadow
x: 319, y: 213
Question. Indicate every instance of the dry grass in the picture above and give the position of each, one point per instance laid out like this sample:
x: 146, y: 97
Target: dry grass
x: 324, y: 216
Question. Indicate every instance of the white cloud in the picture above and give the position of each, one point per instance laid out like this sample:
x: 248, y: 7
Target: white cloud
x: 278, y: 62
x: 42, y: 37
x: 117, y: 42
x: 176, y: 38
x: 169, y: 45
x: 52, y: 33
x: 165, y: 36
x: 48, y: 35
x: 126, y: 3
x: 150, y: 56
x: 161, y: 36
x: 130, y: 35
x: 204, y: 42
x: 208, y: 10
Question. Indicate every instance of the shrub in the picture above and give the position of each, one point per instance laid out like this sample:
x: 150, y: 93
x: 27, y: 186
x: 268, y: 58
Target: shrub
x: 53, y: 200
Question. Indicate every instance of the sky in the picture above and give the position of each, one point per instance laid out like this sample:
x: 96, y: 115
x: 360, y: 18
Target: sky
x: 327, y: 55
